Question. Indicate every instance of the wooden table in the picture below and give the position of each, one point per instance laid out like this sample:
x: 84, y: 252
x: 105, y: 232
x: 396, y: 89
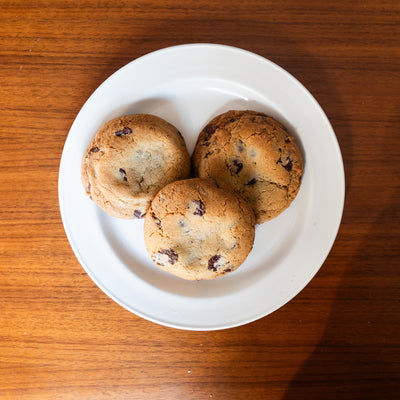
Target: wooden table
x: 62, y: 338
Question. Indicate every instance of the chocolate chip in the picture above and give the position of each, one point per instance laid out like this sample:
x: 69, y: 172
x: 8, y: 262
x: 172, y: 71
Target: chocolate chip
x: 228, y: 270
x: 172, y: 255
x: 123, y: 132
x: 237, y: 166
x: 156, y: 220
x: 92, y: 150
x: 200, y: 208
x: 251, y: 182
x: 138, y: 214
x: 123, y: 174
x: 209, y: 131
x: 287, y: 164
x: 212, y: 262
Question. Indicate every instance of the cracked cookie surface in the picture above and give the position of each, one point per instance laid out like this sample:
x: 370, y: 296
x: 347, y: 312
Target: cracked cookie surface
x: 254, y: 154
x: 129, y: 160
x: 196, y: 229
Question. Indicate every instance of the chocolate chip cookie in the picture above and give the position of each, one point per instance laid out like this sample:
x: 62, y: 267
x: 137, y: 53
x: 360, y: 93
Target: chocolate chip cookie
x: 196, y: 229
x: 129, y: 160
x: 255, y: 155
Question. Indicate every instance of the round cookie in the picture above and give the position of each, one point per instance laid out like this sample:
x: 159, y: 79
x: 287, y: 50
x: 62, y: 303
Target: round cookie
x: 196, y: 229
x: 255, y: 155
x: 129, y: 160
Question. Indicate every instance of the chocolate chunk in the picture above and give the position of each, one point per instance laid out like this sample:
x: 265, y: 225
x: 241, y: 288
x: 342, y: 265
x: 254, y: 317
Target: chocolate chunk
x: 92, y: 150
x: 123, y: 174
x: 213, y: 263
x: 209, y: 131
x: 287, y: 164
x: 200, y: 208
x: 123, y: 132
x: 138, y: 214
x: 172, y: 255
x: 251, y: 182
x: 156, y: 220
x: 237, y: 166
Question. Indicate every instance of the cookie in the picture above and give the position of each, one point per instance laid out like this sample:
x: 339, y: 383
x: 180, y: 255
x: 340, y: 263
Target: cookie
x: 196, y: 229
x: 129, y: 160
x: 255, y: 155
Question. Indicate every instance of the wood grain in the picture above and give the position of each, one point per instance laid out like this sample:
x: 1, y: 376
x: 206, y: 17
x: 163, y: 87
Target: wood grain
x: 62, y: 338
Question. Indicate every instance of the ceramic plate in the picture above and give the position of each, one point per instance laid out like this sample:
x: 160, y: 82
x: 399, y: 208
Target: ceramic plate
x: 187, y: 86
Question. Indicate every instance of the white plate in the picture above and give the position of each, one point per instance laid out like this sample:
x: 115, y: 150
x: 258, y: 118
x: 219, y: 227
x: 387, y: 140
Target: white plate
x: 188, y: 85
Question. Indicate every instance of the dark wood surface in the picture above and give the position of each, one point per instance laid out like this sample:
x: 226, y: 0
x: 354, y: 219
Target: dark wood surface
x: 62, y: 338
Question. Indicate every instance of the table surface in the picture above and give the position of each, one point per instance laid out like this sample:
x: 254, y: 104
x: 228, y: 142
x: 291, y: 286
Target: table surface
x: 61, y: 337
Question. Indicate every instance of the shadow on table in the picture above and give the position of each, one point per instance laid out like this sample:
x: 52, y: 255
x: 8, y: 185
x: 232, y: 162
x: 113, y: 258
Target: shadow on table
x: 354, y: 359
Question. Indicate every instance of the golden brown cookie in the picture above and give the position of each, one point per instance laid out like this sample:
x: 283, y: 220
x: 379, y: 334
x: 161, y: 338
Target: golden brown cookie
x: 254, y: 154
x: 197, y: 230
x: 129, y: 160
